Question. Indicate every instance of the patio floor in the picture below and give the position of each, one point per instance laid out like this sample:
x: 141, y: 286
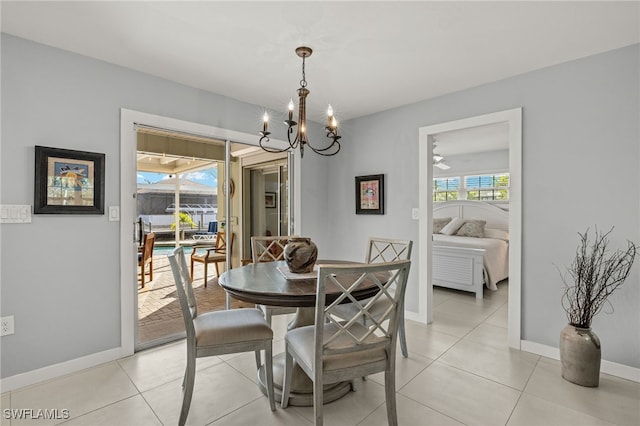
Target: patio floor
x: 159, y: 313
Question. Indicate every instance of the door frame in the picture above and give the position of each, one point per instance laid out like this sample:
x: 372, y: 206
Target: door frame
x: 425, y: 204
x: 128, y: 187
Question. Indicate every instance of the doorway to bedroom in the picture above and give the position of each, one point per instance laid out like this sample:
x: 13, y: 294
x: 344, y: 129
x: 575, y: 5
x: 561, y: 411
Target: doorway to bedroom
x: 471, y: 163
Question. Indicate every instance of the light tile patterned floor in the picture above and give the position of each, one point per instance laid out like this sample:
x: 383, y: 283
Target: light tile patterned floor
x: 459, y: 371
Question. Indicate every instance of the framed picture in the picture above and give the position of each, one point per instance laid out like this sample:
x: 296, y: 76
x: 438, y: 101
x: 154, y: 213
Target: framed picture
x: 68, y: 182
x: 270, y: 200
x: 370, y: 194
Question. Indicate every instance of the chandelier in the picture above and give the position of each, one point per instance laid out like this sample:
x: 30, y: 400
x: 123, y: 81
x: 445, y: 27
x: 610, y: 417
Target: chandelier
x: 301, y: 138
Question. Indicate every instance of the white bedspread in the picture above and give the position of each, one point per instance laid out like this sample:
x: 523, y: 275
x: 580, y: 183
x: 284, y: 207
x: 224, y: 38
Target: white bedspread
x: 496, y: 256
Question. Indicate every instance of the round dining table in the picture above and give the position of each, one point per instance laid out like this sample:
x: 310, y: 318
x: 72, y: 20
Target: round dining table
x: 271, y: 283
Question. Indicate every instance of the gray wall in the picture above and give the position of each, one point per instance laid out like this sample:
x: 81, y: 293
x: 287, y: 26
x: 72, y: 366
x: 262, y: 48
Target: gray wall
x: 60, y: 274
x: 580, y: 124
x: 580, y: 120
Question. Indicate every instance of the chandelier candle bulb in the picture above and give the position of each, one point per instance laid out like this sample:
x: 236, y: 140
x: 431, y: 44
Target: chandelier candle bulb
x: 291, y: 110
x: 265, y: 122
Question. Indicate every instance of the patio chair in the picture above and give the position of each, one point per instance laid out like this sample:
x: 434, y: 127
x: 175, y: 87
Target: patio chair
x: 218, y: 333
x: 210, y: 234
x: 383, y: 250
x: 270, y: 249
x: 335, y: 350
x: 208, y: 253
x: 145, y: 257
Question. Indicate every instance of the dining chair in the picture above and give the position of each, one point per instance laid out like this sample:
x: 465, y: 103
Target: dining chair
x: 145, y: 257
x: 335, y: 350
x: 270, y: 249
x: 218, y: 333
x: 207, y: 253
x: 383, y: 250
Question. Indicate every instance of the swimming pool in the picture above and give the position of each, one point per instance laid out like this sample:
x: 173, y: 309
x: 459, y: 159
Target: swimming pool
x: 165, y: 250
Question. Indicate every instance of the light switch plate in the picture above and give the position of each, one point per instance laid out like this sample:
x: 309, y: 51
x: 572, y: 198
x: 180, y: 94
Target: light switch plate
x: 415, y: 214
x: 14, y: 213
x: 114, y: 213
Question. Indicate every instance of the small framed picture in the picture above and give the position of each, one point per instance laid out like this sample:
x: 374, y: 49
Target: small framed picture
x: 68, y: 181
x: 270, y: 200
x: 370, y: 194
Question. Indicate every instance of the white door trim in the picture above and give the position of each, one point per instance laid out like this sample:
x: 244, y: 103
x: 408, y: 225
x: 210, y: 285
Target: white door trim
x: 128, y: 148
x: 425, y: 149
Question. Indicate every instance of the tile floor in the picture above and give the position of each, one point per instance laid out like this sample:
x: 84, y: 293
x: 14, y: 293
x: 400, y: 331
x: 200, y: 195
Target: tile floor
x: 459, y: 371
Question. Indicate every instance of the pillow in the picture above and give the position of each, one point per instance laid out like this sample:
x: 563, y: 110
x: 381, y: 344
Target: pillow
x: 439, y: 223
x: 498, y: 234
x: 472, y: 228
x: 451, y: 227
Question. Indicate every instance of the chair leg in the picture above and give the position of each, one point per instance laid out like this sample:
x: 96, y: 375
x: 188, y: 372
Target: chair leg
x: 390, y: 396
x: 268, y: 365
x: 403, y: 337
x: 206, y: 272
x: 151, y: 270
x: 189, y: 379
x: 192, y: 269
x: 318, y: 400
x: 142, y: 274
x: 286, y: 380
x: 258, y: 360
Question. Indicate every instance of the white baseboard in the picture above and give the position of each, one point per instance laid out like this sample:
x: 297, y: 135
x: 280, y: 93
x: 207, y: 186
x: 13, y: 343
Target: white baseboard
x: 52, y: 371
x: 608, y: 367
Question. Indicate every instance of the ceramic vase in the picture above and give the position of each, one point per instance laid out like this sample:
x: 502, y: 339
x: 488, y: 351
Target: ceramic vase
x: 580, y: 356
x: 300, y: 253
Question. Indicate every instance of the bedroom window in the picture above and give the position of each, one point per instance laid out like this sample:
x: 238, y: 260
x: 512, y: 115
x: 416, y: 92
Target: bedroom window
x: 492, y: 187
x: 446, y: 189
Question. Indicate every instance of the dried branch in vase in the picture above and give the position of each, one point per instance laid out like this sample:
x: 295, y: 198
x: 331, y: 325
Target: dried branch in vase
x: 596, y: 273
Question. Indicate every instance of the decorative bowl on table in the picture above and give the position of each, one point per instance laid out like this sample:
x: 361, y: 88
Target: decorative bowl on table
x: 300, y: 253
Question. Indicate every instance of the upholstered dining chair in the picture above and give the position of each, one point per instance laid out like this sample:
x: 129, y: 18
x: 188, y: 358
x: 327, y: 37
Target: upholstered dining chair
x: 270, y: 249
x: 207, y: 253
x: 218, y: 333
x: 145, y: 257
x: 335, y: 350
x: 383, y: 250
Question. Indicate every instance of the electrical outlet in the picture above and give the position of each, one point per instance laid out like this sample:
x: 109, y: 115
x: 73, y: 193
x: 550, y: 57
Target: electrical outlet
x: 6, y: 326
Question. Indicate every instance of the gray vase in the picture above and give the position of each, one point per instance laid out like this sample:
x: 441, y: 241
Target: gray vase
x: 580, y: 356
x: 300, y: 253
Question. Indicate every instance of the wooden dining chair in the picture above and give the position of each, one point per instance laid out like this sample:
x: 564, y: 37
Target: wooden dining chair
x: 207, y: 253
x: 383, y: 250
x: 270, y: 249
x: 335, y: 349
x: 218, y: 333
x: 145, y: 257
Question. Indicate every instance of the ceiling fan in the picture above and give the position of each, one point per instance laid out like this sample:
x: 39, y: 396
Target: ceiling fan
x: 437, y: 159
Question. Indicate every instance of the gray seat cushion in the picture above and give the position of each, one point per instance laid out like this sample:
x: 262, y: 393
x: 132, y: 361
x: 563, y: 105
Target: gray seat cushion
x: 232, y: 326
x: 302, y: 340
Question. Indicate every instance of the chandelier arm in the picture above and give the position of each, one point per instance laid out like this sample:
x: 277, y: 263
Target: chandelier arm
x: 320, y: 151
x: 265, y: 138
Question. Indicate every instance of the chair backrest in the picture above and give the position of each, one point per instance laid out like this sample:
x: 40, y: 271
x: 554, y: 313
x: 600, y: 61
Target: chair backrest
x: 268, y: 249
x: 388, y: 250
x: 221, y: 242
x: 184, y: 289
x: 389, y: 277
x: 147, y: 247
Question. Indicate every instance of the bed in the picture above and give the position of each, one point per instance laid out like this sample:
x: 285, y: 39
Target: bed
x: 470, y: 246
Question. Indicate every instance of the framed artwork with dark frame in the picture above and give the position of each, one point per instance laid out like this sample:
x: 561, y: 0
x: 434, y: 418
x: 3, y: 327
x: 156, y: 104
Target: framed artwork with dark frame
x: 270, y: 200
x: 68, y: 181
x: 370, y: 194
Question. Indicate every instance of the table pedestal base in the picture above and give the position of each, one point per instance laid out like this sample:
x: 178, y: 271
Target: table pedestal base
x: 301, y: 394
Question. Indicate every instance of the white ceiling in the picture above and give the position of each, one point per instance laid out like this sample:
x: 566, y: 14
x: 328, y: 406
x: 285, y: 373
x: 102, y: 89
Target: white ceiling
x: 368, y: 56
